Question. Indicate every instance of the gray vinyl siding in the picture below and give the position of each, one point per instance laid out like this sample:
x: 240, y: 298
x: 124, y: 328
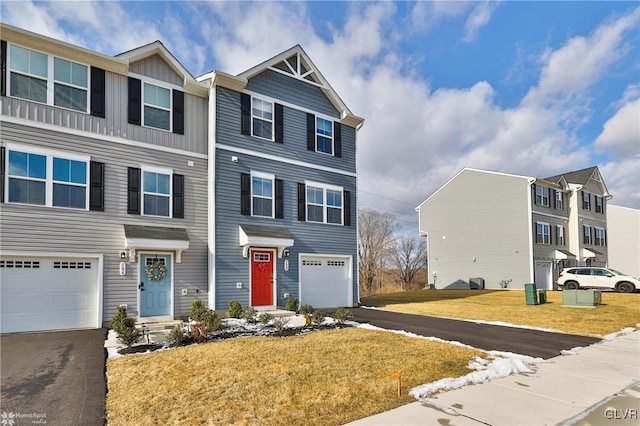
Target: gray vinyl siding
x: 295, y: 134
x: 116, y: 121
x: 478, y: 226
x: 155, y: 67
x: 293, y: 91
x: 232, y: 267
x: 58, y: 230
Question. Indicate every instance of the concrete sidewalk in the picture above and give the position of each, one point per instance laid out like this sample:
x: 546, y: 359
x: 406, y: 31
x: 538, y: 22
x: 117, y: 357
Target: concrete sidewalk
x: 598, y: 385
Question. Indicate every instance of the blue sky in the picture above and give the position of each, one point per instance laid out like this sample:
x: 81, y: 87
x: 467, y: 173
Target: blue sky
x: 531, y: 88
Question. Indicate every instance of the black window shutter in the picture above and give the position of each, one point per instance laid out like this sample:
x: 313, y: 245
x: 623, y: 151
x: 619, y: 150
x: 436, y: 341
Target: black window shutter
x: 3, y: 68
x: 605, y: 237
x: 2, y: 173
x: 178, y: 196
x: 133, y: 191
x: 279, y: 123
x: 245, y: 110
x: 533, y: 190
x: 337, y: 139
x: 552, y: 199
x: 245, y: 194
x: 311, y: 132
x: 302, y: 202
x: 279, y: 199
x: 563, y: 237
x: 347, y: 207
x: 135, y: 101
x: 589, y: 201
x: 178, y: 112
x: 98, y: 91
x: 96, y: 189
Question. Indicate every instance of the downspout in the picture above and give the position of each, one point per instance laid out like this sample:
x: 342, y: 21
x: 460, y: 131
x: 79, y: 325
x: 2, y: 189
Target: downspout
x: 532, y: 261
x: 211, y: 194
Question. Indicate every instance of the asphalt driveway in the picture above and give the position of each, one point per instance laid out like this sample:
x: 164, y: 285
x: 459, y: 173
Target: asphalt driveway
x: 534, y: 343
x: 54, y: 378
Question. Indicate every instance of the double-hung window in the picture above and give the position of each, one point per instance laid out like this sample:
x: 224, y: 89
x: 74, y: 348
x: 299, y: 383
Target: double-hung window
x: 559, y: 202
x: 600, y: 237
x: 543, y: 233
x: 47, y: 178
x: 262, y: 118
x: 156, y: 192
x: 599, y: 204
x: 324, y: 136
x: 48, y: 79
x: 586, y: 200
x: 559, y: 235
x: 324, y: 203
x: 586, y: 235
x: 542, y: 196
x: 262, y: 195
x: 157, y: 106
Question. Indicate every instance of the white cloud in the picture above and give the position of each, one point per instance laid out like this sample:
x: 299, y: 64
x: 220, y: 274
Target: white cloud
x: 620, y: 136
x: 623, y: 181
x: 480, y: 16
x: 426, y: 15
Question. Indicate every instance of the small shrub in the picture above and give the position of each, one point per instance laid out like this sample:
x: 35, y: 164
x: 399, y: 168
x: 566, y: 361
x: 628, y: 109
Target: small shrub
x: 306, y: 309
x: 342, y: 315
x: 198, y: 310
x: 179, y: 337
x: 212, y: 320
x: 125, y: 327
x: 235, y: 309
x: 249, y: 314
x: 265, y: 318
x: 317, y: 318
x: 199, y: 332
x: 292, y: 304
x: 279, y: 323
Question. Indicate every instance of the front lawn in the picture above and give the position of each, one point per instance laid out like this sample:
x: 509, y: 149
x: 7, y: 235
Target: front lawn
x: 617, y: 311
x: 326, y: 378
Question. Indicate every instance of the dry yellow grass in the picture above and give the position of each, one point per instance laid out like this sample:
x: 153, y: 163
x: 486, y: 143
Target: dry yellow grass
x: 617, y: 311
x: 322, y: 378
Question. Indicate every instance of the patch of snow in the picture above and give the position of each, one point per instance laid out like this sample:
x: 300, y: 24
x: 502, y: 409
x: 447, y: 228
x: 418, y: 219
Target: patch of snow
x: 499, y: 364
x: 430, y: 403
x: 572, y: 351
x: 620, y: 333
x: 507, y: 324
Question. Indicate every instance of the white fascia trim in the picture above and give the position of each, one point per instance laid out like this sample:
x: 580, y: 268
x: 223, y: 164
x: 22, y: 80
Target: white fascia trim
x: 211, y: 199
x: 149, y: 243
x: 284, y: 160
x: 155, y: 82
x: 98, y: 136
x: 530, y: 226
x: 247, y: 242
x: 12, y: 146
x: 565, y: 218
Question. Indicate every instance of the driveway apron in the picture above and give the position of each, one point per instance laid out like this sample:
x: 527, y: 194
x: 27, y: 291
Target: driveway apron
x: 536, y: 343
x: 54, y: 378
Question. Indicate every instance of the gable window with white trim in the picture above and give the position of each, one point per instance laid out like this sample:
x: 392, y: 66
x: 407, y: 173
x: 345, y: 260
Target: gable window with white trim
x: 262, y: 118
x: 157, y: 107
x: 599, y: 202
x: 542, y: 196
x: 52, y: 179
x: 586, y: 235
x: 324, y: 136
x: 543, y: 233
x: 559, y: 201
x: 67, y: 86
x: 262, y: 194
x: 586, y: 201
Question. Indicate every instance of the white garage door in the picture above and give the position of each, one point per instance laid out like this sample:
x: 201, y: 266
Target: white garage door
x: 325, y: 282
x: 48, y: 294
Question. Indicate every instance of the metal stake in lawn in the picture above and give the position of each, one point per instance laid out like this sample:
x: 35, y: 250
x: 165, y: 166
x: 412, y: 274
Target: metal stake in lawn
x: 398, y: 376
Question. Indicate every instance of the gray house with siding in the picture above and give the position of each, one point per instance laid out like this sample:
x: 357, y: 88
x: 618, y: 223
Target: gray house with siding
x: 282, y: 221
x: 104, y: 194
x: 125, y: 181
x: 498, y: 230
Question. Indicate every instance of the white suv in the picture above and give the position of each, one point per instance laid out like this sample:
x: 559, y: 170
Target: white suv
x: 598, y: 278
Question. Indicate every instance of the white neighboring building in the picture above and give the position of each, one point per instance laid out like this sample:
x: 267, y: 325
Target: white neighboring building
x: 623, y: 225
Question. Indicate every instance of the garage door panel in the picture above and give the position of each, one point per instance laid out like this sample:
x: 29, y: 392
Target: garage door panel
x: 48, y: 294
x: 324, y: 281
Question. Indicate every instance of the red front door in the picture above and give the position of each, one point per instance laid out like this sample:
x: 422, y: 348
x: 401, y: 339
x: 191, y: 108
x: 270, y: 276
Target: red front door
x: 261, y: 278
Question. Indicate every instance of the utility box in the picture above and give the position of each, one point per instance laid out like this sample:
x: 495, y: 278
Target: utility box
x: 530, y: 294
x: 581, y: 298
x: 476, y: 283
x: 542, y: 296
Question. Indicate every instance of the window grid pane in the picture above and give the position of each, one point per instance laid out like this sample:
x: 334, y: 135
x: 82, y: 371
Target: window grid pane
x: 28, y: 88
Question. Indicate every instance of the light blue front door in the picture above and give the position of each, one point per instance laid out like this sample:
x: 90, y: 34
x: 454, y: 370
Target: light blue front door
x: 155, y: 285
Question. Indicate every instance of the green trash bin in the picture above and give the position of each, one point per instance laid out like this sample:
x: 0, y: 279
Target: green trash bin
x: 530, y: 294
x: 542, y: 296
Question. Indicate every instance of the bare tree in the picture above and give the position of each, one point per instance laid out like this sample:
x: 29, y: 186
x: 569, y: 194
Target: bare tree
x: 409, y: 254
x: 375, y: 232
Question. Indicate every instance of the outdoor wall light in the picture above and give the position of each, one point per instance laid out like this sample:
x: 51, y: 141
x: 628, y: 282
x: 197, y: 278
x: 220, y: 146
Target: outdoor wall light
x: 123, y: 255
x: 234, y: 159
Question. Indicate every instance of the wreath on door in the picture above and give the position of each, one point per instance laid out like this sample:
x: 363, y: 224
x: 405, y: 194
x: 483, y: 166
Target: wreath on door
x: 156, y: 271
